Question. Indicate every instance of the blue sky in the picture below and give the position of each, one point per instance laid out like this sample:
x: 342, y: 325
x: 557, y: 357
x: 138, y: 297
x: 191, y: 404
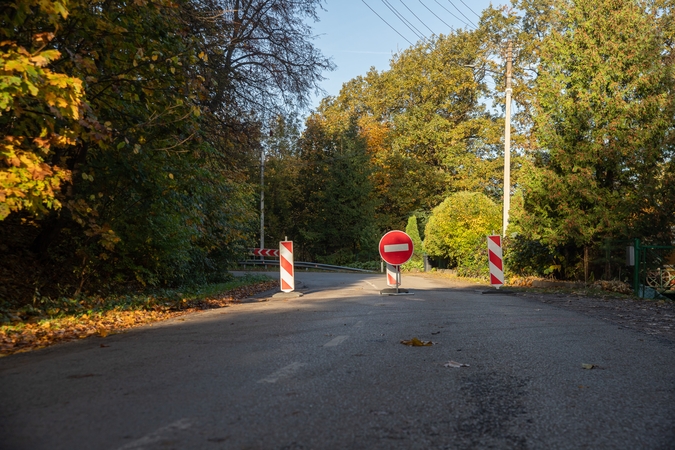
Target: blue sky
x: 357, y: 39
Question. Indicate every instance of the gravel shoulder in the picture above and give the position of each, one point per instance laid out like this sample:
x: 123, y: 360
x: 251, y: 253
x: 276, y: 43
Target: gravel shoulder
x: 652, y: 317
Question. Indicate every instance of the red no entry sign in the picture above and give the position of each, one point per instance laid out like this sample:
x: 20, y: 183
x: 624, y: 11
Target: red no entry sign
x: 396, y: 247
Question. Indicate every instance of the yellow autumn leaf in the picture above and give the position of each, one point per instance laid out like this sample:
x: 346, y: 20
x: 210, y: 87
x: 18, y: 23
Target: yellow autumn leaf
x: 39, y: 60
x: 415, y: 342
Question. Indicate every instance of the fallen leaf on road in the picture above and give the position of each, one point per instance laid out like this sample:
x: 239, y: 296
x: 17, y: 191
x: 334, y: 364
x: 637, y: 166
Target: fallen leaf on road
x: 417, y: 343
x: 588, y: 366
x: 455, y: 364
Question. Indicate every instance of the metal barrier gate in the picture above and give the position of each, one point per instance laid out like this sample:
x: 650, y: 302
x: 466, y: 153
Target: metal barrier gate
x: 654, y: 268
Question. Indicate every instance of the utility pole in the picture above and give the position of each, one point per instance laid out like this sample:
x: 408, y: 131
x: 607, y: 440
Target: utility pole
x: 507, y: 143
x: 262, y: 199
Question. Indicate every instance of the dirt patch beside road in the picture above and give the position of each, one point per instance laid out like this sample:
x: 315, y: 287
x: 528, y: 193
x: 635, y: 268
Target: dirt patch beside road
x: 652, y: 317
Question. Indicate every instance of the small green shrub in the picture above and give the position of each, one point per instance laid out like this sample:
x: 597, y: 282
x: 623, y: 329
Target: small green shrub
x: 458, y: 230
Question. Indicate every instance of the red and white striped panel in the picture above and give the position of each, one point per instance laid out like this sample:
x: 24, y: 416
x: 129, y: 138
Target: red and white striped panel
x: 496, y: 260
x: 393, y: 275
x: 265, y: 252
x: 286, y: 266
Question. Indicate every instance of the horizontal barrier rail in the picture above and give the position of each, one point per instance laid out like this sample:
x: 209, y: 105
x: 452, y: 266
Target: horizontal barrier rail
x: 301, y: 264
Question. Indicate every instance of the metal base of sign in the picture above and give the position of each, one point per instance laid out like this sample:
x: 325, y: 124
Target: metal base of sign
x: 292, y: 294
x: 394, y: 291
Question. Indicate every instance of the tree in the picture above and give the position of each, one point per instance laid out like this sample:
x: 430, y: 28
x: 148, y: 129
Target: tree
x: 458, y: 229
x: 604, y: 123
x: 426, y: 130
x: 174, y: 96
x: 260, y: 54
x: 417, y: 260
x: 40, y: 110
x: 282, y: 187
x: 336, y: 212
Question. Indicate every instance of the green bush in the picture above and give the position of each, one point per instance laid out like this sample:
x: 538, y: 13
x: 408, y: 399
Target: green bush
x: 417, y: 260
x: 366, y: 265
x: 458, y: 230
x: 528, y: 257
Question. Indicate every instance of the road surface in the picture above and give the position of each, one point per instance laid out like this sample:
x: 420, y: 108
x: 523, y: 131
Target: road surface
x: 327, y: 371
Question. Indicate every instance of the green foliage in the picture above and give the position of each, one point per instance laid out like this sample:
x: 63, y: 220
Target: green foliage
x: 335, y: 209
x: 604, y: 125
x: 594, y: 88
x: 366, y: 265
x: 417, y: 260
x: 282, y: 189
x: 40, y: 109
x: 425, y: 129
x: 145, y: 126
x: 458, y: 230
x: 412, y: 231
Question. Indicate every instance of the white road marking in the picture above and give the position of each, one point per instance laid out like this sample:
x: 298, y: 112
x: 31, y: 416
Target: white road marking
x: 359, y: 324
x: 337, y: 340
x: 370, y: 284
x: 284, y: 372
x: 396, y: 248
x: 158, y: 435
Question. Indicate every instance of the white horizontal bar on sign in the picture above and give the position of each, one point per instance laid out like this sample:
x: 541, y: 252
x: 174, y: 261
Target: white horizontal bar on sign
x: 396, y: 248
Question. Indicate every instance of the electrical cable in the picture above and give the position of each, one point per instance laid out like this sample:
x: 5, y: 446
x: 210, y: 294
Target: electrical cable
x: 449, y: 26
x: 469, y: 8
x: 454, y: 6
x: 397, y: 32
x: 405, y: 21
x: 420, y: 20
x: 449, y: 12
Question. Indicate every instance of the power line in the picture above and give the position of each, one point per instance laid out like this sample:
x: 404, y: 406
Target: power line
x: 397, y: 32
x: 410, y: 26
x: 450, y: 12
x: 420, y: 20
x: 449, y: 26
x: 469, y: 8
x: 453, y: 5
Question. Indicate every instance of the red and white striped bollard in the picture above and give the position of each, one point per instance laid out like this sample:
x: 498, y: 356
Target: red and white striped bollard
x: 496, y: 261
x: 287, y: 272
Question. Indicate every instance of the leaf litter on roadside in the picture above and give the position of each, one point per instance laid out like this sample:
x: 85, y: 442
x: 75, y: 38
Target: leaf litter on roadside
x: 36, y: 334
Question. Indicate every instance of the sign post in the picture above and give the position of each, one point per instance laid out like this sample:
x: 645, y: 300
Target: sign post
x: 396, y: 248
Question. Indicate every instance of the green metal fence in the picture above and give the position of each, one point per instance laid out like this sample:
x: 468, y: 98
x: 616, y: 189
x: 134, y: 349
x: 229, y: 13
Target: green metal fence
x: 653, y: 271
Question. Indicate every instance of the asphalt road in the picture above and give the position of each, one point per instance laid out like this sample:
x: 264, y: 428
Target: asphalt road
x: 328, y: 371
